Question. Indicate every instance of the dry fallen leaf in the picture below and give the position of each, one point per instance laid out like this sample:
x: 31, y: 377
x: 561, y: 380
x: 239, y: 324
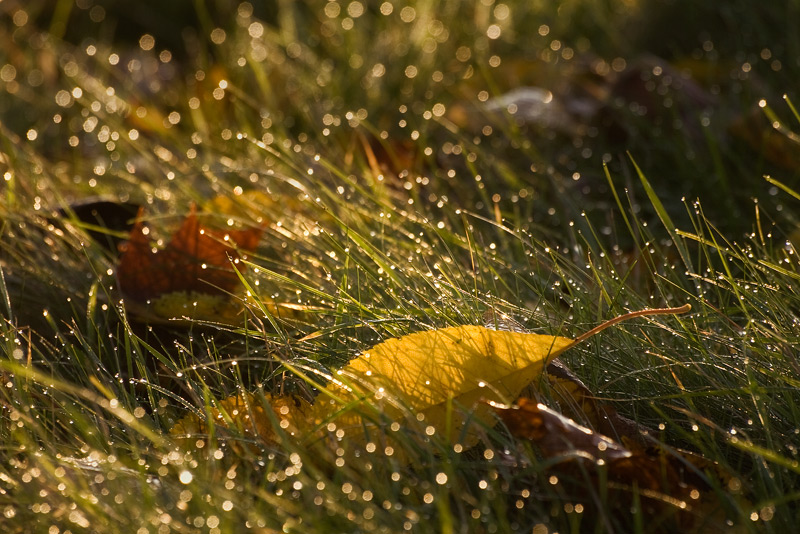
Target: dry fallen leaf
x: 103, y: 218
x: 195, y: 259
x: 462, y: 365
x: 574, y: 399
x: 246, y: 413
x: 579, y: 403
x: 554, y: 434
x: 672, y: 485
x: 425, y: 371
x: 192, y: 276
x: 444, y: 376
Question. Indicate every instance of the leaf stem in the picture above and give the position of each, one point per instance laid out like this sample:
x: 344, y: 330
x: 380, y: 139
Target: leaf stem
x: 611, y: 322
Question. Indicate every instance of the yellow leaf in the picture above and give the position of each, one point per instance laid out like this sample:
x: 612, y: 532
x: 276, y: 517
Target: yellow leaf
x: 442, y: 375
x: 462, y: 365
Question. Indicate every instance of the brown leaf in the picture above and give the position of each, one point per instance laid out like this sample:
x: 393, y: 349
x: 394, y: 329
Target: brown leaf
x: 196, y: 259
x: 579, y: 403
x: 574, y: 398
x: 554, y: 434
x: 103, y: 218
x: 247, y: 415
x: 668, y: 483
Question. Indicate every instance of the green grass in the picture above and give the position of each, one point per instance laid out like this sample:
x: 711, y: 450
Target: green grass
x: 390, y: 215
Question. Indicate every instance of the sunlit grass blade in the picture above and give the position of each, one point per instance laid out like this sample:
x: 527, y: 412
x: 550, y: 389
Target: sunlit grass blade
x: 666, y: 220
x: 782, y: 186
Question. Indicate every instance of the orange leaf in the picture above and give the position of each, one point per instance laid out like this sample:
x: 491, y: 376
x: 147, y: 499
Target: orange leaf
x: 245, y: 414
x: 195, y: 259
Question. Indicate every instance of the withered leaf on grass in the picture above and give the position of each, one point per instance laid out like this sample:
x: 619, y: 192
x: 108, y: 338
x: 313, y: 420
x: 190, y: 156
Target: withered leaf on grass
x: 554, y: 434
x: 579, y: 403
x: 192, y: 276
x: 441, y: 376
x: 669, y: 483
x: 427, y: 371
x: 104, y: 218
x: 246, y: 414
x: 195, y: 259
x: 573, y: 397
